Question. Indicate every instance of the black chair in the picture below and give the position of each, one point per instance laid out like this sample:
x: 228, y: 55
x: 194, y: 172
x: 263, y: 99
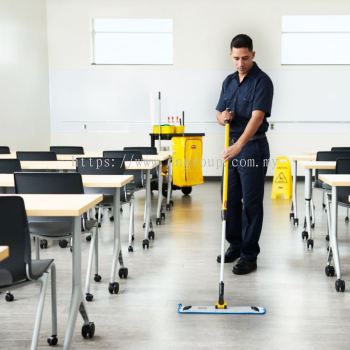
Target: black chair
x: 341, y: 149
x: 57, y: 227
x: 19, y: 269
x: 4, y: 150
x: 36, y: 155
x: 67, y: 149
x: 9, y: 166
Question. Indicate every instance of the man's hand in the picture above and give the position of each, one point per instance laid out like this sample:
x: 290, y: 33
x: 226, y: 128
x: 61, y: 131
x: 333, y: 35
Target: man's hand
x: 232, y: 151
x: 225, y: 116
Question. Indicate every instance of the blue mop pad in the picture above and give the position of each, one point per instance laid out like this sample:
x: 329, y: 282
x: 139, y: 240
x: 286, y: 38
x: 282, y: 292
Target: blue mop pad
x: 231, y: 310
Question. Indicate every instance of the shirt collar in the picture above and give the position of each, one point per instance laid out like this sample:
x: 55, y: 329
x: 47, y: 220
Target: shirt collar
x: 252, y: 73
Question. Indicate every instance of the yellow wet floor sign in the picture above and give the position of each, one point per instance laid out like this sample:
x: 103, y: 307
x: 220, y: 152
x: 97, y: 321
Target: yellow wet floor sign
x: 282, y: 179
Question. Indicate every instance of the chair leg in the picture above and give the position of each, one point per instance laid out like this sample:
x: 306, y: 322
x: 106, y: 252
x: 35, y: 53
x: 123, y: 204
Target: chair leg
x: 53, y: 302
x: 131, y: 223
x: 37, y: 248
x: 328, y: 206
x: 97, y: 276
x: 39, y: 312
x: 89, y: 266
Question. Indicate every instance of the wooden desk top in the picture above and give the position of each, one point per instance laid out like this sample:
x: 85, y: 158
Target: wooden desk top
x: 7, y: 180
x: 106, y: 181
x: 4, y: 252
x: 48, y: 165
x: 335, y: 179
x: 141, y: 165
x: 301, y: 157
x: 59, y: 204
x: 318, y: 165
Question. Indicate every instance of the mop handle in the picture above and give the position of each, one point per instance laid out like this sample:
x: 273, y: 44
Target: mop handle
x: 225, y: 181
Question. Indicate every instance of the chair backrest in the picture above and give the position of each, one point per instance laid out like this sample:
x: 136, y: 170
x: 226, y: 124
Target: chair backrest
x: 49, y: 183
x: 330, y: 157
x: 126, y: 155
x: 4, y: 150
x: 36, y: 155
x: 343, y: 167
x: 15, y: 234
x: 143, y: 150
x: 67, y: 149
x: 129, y: 156
x: 342, y: 149
x: 9, y: 166
x: 100, y: 166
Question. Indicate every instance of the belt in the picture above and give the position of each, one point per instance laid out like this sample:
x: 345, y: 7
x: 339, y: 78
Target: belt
x: 253, y: 138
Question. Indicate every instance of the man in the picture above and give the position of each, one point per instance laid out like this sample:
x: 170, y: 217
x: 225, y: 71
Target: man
x: 245, y: 101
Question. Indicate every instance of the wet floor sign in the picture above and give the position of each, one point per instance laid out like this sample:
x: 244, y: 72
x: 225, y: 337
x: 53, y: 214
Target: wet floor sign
x: 282, y: 179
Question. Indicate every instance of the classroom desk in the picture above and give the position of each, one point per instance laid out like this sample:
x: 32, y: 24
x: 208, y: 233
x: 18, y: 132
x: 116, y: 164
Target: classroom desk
x: 47, y: 165
x: 116, y: 182
x: 335, y: 180
x: 73, y: 205
x: 148, y: 166
x: 309, y: 167
x: 4, y: 252
x: 295, y: 158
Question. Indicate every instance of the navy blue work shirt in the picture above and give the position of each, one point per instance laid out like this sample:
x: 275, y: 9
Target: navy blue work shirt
x: 255, y: 92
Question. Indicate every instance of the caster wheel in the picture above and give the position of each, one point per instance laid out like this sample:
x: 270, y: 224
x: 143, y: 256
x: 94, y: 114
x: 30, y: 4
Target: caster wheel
x: 130, y: 249
x: 172, y: 203
x: 151, y: 225
x: 97, y: 278
x: 99, y: 225
x: 167, y: 207
x: 121, y: 210
x: 113, y: 288
x: 327, y: 238
x: 347, y: 220
x: 329, y: 271
x: 340, y: 285
x: 145, y: 243
x: 186, y: 190
x: 63, y: 243
x: 151, y: 235
x: 123, y: 273
x: 323, y: 206
x: 112, y: 218
x: 328, y: 249
x: 313, y: 225
x: 9, y: 297
x: 43, y: 244
x: 296, y: 222
x: 52, y: 341
x: 88, y: 330
x: 310, y: 243
x: 291, y: 216
x: 158, y: 221
x: 88, y: 238
x: 162, y: 216
x: 304, y: 235
x: 89, y: 297
x: 144, y: 225
x: 133, y: 238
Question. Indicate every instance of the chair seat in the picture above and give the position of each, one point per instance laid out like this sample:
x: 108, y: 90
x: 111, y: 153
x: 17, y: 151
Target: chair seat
x: 51, y: 229
x: 89, y: 224
x: 39, y: 267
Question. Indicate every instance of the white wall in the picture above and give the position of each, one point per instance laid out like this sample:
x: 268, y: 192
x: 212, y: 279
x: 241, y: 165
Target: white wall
x: 202, y: 33
x: 24, y: 99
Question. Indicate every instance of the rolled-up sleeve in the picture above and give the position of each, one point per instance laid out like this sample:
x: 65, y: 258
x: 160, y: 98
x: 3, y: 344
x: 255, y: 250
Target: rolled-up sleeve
x: 263, y: 96
x: 221, y: 106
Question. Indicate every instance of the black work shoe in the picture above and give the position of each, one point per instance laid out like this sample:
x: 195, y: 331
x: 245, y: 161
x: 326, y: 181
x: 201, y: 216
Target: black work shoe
x: 230, y: 256
x: 244, y: 266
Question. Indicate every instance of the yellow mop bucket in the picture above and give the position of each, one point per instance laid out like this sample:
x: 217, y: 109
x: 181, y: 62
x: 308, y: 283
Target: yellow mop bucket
x: 282, y: 179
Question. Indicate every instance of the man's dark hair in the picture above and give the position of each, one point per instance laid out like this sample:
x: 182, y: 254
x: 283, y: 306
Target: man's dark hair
x: 242, y: 40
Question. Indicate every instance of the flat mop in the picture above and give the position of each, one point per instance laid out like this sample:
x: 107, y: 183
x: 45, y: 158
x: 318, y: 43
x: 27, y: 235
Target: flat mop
x: 221, y: 306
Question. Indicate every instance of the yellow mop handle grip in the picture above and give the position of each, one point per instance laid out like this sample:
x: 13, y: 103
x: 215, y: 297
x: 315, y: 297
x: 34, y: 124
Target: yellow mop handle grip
x: 225, y: 182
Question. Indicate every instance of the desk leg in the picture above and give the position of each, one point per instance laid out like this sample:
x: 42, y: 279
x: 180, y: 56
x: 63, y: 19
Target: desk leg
x: 307, y: 230
x: 169, y: 201
x: 160, y: 215
x: 148, y: 234
x: 333, y: 239
x: 294, y: 210
x: 113, y: 287
x: 77, y: 301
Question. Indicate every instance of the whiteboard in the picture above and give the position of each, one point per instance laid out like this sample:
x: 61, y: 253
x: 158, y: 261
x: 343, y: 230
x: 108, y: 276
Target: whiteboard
x: 132, y: 41
x: 315, y: 40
